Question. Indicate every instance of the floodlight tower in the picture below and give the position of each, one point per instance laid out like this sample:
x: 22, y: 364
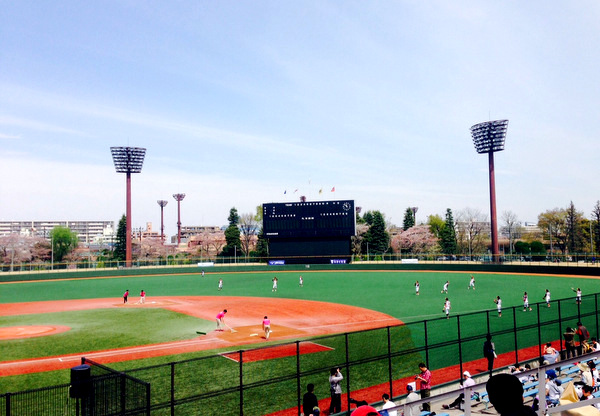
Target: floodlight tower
x: 414, y: 211
x: 128, y: 160
x: 179, y: 198
x: 489, y: 137
x: 162, y: 204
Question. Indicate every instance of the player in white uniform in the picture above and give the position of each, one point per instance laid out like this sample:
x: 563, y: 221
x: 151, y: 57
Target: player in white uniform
x: 301, y: 282
x: 445, y: 289
x: 472, y: 283
x: 526, y: 302
x: 547, y: 297
x: 417, y: 287
x: 498, y: 303
x: 220, y: 284
x: 274, y: 285
x: 447, y: 308
x: 577, y: 295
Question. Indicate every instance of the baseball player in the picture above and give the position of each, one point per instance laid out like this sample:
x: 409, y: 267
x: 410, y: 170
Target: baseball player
x: 447, y: 308
x: 472, y: 283
x: 498, y: 303
x: 417, y: 287
x: 445, y: 289
x: 266, y: 326
x: 526, y: 302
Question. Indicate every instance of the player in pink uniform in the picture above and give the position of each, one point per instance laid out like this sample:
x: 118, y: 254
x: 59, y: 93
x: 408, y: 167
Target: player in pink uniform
x: 266, y: 326
x: 221, y: 319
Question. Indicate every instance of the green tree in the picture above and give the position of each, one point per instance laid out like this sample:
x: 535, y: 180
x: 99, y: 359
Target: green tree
x: 448, y: 234
x: 554, y: 224
x: 574, y: 231
x: 537, y: 247
x: 233, y: 244
x: 436, y: 224
x: 119, y: 251
x: 409, y: 219
x: 376, y: 239
x: 595, y: 219
x: 63, y: 242
x: 522, y: 247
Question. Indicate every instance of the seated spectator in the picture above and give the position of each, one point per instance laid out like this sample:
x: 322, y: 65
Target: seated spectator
x: 586, y: 394
x: 387, y: 403
x: 550, y: 354
x: 466, y: 384
x: 595, y: 344
x: 412, y: 410
x: 553, y: 388
x: 589, y: 375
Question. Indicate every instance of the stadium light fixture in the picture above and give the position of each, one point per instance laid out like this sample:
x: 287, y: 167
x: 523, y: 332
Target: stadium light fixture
x: 179, y: 198
x: 488, y: 137
x: 128, y: 160
x: 162, y: 204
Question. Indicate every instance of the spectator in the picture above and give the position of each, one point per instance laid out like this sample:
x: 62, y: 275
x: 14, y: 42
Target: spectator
x: 466, y: 384
x: 411, y: 410
x: 365, y: 411
x: 387, y: 403
x: 424, y: 385
x: 587, y: 394
x: 310, y: 401
x: 583, y: 333
x: 550, y: 354
x: 589, y: 375
x: 336, y: 390
x: 594, y: 344
x: 553, y: 388
x: 505, y: 392
x: 489, y: 352
x: 569, y: 336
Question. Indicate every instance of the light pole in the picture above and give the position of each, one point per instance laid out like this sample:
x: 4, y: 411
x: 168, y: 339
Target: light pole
x: 414, y: 211
x: 162, y: 204
x: 179, y: 198
x: 489, y: 137
x: 128, y: 160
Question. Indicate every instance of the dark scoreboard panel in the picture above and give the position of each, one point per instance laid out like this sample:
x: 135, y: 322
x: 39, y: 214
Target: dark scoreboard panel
x: 309, y: 219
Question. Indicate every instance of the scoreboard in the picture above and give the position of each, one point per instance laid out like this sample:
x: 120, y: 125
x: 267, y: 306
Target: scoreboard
x: 309, y: 219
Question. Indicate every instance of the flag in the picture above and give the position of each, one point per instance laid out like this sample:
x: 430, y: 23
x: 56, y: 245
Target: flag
x: 333, y: 189
x: 321, y: 190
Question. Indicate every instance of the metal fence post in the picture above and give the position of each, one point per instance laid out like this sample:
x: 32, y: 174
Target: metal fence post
x: 539, y: 328
x: 298, y: 376
x: 172, y: 389
x: 390, y: 375
x: 347, y: 371
x: 426, y: 344
x: 241, y: 383
x: 460, y: 358
x: 514, y: 310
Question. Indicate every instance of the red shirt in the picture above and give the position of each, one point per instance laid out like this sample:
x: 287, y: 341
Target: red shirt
x: 425, y: 385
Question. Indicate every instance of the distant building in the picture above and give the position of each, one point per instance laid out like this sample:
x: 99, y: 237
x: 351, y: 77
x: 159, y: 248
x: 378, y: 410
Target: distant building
x: 189, y: 231
x: 87, y: 231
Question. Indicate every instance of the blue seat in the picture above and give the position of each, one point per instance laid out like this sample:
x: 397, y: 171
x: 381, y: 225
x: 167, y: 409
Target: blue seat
x: 530, y: 393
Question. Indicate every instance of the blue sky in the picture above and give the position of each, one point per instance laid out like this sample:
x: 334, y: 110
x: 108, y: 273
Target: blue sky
x: 237, y: 102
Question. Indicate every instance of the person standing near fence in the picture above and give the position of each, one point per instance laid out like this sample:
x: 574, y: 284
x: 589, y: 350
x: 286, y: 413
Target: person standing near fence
x: 309, y: 400
x: 569, y: 336
x: 489, y: 352
x: 424, y: 385
x: 335, y: 388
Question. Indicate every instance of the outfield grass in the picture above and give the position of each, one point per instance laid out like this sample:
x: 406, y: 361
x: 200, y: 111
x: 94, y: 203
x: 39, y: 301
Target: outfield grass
x: 390, y: 292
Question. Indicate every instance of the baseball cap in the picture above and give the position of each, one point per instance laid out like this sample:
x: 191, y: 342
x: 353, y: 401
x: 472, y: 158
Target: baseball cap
x: 466, y: 373
x: 364, y: 411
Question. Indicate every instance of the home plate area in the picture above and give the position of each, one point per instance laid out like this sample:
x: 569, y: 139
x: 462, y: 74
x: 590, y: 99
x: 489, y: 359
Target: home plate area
x: 277, y: 351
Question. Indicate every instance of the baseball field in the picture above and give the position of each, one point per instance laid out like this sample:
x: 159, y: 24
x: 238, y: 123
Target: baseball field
x: 46, y: 326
